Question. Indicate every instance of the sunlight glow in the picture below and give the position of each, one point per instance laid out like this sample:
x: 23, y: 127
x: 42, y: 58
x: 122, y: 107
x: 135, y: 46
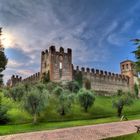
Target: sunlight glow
x: 7, y: 40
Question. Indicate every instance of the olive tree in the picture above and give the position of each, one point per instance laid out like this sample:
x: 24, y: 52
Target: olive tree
x: 17, y: 92
x: 120, y: 102
x: 86, y: 99
x: 65, y: 101
x: 35, y: 102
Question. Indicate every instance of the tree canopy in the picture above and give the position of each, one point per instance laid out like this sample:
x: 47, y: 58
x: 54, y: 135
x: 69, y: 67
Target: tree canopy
x: 137, y: 54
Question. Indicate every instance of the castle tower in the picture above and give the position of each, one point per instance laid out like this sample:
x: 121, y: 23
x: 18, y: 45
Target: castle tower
x: 127, y: 68
x: 57, y: 63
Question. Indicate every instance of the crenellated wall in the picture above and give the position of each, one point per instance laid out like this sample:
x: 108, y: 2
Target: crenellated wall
x: 58, y: 66
x: 102, y: 80
x: 58, y: 63
x: 18, y: 79
x: 32, y: 79
x: 15, y: 79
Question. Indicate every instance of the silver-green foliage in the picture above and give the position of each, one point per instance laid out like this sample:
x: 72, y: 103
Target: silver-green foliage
x: 35, y: 101
x: 86, y: 98
x: 65, y: 101
x: 120, y: 102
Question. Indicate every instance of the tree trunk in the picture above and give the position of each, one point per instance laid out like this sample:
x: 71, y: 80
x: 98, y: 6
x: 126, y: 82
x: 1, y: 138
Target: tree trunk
x: 63, y: 112
x: 86, y: 109
x: 120, y: 111
x: 35, y: 119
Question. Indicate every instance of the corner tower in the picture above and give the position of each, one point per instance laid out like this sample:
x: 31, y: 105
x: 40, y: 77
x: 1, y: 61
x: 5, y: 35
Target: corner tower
x: 128, y: 69
x: 57, y: 63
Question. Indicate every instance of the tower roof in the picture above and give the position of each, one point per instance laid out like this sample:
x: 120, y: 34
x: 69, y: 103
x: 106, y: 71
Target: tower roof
x: 127, y: 61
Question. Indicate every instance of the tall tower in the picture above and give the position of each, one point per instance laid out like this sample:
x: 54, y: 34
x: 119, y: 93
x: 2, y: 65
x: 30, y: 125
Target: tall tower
x: 57, y: 63
x: 127, y: 68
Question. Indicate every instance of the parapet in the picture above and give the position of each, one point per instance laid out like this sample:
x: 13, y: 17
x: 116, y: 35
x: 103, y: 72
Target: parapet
x: 61, y: 50
x: 69, y: 51
x: 52, y: 50
x: 33, y: 78
x: 101, y: 73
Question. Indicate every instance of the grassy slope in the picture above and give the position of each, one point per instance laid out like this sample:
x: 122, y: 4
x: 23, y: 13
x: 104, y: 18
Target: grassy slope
x: 20, y: 128
x: 76, y: 117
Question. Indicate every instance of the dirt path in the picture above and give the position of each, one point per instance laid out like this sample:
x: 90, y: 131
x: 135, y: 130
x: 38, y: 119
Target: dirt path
x: 92, y: 132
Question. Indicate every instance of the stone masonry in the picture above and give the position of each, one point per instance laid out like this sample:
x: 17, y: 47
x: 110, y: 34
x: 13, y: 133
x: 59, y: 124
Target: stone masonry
x: 58, y: 65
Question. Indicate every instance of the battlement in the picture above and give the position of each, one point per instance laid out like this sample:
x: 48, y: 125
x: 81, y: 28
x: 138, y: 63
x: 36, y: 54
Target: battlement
x: 33, y: 78
x: 52, y: 50
x: 58, y: 64
x: 15, y: 79
x: 101, y: 73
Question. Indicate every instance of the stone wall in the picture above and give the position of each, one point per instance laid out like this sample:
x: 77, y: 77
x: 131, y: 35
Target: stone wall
x: 102, y: 80
x: 14, y: 80
x: 58, y: 63
x: 32, y: 79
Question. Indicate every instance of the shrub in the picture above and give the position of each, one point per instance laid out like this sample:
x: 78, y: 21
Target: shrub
x: 73, y: 86
x: 58, y: 91
x: 3, y: 113
x: 87, y: 84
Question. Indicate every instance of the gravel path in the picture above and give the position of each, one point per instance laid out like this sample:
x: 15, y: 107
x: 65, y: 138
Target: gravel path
x: 90, y: 132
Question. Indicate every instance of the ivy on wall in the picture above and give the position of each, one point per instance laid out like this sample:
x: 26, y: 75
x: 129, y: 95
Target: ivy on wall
x: 46, y: 77
x: 79, y: 78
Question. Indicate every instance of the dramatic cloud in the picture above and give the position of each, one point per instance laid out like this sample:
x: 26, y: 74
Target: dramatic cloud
x: 91, y: 28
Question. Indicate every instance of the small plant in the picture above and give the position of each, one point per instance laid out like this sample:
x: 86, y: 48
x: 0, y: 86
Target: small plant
x: 136, y: 90
x: 87, y: 84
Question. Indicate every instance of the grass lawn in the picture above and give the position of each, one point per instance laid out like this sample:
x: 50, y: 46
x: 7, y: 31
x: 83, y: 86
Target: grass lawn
x: 100, y: 112
x: 135, y: 136
x: 20, y: 128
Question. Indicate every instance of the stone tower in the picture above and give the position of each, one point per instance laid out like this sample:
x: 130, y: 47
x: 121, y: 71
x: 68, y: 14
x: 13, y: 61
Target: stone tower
x: 127, y: 68
x: 57, y: 63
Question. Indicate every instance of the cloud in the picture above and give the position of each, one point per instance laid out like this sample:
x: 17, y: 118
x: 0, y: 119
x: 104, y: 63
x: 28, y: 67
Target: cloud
x: 14, y: 64
x: 88, y: 27
x: 127, y: 25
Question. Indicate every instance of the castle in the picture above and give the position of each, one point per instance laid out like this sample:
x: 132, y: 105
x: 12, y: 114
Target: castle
x: 58, y: 66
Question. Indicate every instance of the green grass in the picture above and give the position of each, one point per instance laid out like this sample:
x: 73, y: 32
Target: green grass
x: 22, y: 128
x: 18, y: 128
x: 135, y: 136
x: 101, y: 112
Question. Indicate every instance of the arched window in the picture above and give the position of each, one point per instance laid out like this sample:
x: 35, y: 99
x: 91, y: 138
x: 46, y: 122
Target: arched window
x: 60, y: 65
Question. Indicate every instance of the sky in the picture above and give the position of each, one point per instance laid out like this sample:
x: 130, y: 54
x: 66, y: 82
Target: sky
x: 98, y: 31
